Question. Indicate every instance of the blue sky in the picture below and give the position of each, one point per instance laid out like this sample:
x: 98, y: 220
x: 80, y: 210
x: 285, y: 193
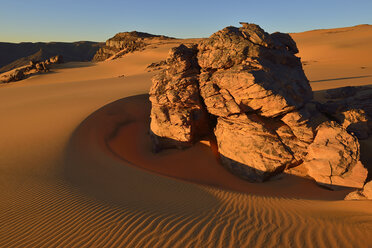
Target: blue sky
x: 73, y: 20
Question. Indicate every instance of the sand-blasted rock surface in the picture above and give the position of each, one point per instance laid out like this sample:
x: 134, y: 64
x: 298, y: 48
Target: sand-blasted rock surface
x: 333, y: 157
x: 245, y: 140
x: 254, y: 70
x: 257, y: 96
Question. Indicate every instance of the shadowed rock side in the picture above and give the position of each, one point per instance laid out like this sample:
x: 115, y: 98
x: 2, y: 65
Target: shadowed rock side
x: 352, y: 108
x: 123, y: 43
x: 178, y: 115
x: 255, y: 91
x: 34, y: 67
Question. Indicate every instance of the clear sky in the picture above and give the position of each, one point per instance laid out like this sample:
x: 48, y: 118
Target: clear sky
x: 74, y: 20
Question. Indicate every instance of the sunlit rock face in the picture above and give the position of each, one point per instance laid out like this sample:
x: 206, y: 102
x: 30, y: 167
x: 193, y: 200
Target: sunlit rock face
x: 248, y: 89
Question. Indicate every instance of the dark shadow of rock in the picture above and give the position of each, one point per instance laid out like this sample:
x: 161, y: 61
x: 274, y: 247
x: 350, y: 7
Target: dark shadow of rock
x: 91, y: 166
x: 351, y: 107
x: 343, y: 78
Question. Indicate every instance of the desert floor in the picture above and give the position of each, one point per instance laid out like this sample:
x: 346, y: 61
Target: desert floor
x: 76, y: 168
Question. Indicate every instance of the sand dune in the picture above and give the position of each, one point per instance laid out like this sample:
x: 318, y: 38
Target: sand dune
x: 336, y: 57
x: 76, y: 174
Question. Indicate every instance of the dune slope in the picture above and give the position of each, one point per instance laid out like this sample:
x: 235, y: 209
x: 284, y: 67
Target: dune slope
x: 335, y: 58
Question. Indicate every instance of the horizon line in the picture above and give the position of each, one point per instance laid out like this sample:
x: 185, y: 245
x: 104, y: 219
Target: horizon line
x: 95, y: 41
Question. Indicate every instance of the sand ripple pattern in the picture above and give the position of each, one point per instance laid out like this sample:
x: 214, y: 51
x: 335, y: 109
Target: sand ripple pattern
x: 55, y: 215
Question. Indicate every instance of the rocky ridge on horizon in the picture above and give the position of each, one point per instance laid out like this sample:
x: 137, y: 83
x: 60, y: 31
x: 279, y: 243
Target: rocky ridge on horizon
x: 125, y: 42
x: 16, y: 57
x: 247, y: 89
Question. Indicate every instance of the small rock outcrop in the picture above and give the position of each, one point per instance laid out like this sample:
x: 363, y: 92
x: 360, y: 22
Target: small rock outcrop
x: 125, y: 42
x: 248, y: 88
x: 156, y: 66
x: 362, y: 194
x: 34, y: 67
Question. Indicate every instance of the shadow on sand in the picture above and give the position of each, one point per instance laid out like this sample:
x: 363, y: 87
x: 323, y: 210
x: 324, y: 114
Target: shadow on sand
x: 74, y: 65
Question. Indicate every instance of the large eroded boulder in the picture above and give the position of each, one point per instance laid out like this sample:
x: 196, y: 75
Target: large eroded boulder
x: 251, y: 79
x: 252, y: 87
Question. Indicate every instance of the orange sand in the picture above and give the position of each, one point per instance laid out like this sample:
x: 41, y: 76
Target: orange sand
x: 61, y: 184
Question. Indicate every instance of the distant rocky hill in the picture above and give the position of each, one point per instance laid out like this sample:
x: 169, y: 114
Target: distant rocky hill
x: 15, y: 55
x: 125, y: 42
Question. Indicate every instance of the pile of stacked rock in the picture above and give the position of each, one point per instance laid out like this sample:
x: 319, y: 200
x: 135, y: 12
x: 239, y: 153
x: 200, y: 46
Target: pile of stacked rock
x: 247, y: 89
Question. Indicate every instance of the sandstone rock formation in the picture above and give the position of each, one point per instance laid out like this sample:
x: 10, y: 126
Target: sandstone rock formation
x: 251, y: 87
x: 28, y: 70
x: 123, y: 43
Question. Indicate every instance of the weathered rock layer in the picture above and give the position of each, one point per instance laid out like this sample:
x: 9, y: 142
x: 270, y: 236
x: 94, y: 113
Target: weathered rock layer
x: 248, y: 88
